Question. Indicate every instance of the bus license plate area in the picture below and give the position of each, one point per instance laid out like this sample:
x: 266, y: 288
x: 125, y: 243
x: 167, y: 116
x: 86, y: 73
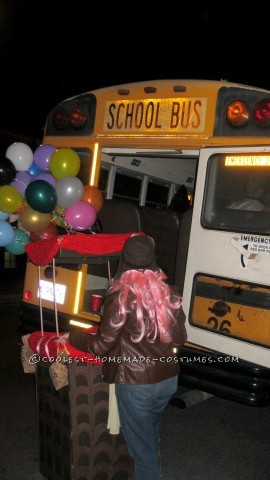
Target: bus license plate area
x: 238, y: 310
x: 46, y: 291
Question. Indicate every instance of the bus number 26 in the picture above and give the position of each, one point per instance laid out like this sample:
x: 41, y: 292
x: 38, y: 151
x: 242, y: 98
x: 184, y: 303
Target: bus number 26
x: 222, y: 327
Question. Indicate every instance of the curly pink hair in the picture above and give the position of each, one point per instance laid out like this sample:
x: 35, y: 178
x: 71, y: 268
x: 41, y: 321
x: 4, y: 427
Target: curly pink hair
x: 146, y: 292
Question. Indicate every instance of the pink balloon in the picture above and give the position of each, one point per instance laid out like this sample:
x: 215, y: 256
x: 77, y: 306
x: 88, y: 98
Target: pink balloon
x: 80, y: 216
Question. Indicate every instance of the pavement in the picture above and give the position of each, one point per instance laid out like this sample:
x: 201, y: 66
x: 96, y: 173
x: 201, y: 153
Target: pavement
x: 208, y: 439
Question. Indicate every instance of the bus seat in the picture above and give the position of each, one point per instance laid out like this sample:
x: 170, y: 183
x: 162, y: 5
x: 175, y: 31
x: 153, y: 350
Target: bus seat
x: 163, y: 226
x: 119, y: 217
x: 182, y: 248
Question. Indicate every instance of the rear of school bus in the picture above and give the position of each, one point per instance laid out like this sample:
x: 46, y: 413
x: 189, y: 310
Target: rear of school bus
x: 153, y: 137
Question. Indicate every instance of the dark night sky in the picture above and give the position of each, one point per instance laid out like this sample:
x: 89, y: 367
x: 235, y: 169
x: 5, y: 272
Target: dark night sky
x: 50, y: 51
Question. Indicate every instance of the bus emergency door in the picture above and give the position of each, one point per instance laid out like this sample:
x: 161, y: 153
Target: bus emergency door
x: 227, y: 286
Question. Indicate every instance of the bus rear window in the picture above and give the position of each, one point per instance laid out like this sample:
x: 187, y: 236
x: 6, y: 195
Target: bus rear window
x: 237, y: 193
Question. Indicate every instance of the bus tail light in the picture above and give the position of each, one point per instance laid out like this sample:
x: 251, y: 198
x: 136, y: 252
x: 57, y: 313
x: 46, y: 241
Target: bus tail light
x: 77, y: 118
x: 261, y: 113
x: 238, y: 113
x: 242, y: 112
x: 60, y: 118
x: 27, y: 295
x: 73, y: 117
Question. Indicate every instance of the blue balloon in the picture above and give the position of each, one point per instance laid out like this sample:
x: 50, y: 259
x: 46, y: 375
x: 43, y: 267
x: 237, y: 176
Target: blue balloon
x: 34, y: 170
x: 6, y: 233
x: 4, y: 215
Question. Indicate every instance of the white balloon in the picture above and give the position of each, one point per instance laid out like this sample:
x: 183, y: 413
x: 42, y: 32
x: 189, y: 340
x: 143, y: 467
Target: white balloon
x: 69, y: 190
x: 20, y: 155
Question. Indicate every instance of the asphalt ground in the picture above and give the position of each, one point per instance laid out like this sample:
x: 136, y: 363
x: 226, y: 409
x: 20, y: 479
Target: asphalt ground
x: 213, y: 439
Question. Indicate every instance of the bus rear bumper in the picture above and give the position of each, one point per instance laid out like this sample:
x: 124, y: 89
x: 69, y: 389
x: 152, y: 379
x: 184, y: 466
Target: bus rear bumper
x: 224, y: 376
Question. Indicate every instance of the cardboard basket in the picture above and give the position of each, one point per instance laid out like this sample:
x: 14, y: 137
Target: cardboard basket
x: 74, y: 442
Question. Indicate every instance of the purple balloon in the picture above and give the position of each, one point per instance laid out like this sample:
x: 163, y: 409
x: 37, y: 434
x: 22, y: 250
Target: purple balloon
x: 21, y: 181
x: 80, y: 216
x: 47, y: 177
x: 42, y: 156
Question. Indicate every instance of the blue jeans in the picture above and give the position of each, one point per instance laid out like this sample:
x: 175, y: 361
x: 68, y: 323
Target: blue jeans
x: 140, y: 410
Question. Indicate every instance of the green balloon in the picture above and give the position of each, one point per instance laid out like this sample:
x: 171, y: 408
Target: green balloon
x: 20, y: 240
x: 41, y: 196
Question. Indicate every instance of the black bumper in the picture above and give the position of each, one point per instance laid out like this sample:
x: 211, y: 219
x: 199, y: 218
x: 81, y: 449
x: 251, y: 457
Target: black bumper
x: 224, y: 376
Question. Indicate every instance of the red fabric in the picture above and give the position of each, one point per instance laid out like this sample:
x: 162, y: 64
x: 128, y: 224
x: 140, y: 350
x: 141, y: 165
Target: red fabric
x: 49, y: 346
x: 41, y: 253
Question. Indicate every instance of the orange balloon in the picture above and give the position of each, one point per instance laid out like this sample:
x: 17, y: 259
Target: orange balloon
x: 93, y: 196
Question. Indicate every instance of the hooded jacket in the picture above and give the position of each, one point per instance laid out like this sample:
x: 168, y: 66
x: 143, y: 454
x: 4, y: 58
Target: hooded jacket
x: 125, y: 361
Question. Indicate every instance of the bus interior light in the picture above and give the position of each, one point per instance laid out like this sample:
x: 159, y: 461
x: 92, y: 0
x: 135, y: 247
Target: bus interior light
x: 238, y: 113
x: 261, y: 113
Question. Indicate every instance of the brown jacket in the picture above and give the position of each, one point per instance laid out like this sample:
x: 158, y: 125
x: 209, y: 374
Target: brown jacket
x: 125, y: 361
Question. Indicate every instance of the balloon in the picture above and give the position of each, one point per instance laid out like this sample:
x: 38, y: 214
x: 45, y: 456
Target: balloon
x: 93, y: 196
x: 17, y: 245
x: 10, y: 199
x: 57, y: 216
x: 34, y: 170
x: 6, y: 233
x: 33, y: 221
x: 69, y: 191
x: 42, y: 156
x: 80, y: 216
x: 21, y: 155
x: 48, y: 177
x: 64, y: 162
x: 21, y: 181
x: 7, y: 171
x: 41, y: 196
x: 49, y: 232
x: 4, y: 215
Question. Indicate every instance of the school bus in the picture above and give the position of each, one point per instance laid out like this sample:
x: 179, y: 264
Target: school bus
x: 139, y: 143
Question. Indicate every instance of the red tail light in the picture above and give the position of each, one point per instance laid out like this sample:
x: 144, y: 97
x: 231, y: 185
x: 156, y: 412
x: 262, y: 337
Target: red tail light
x: 261, y: 113
x: 77, y: 118
x: 27, y: 295
x: 60, y: 118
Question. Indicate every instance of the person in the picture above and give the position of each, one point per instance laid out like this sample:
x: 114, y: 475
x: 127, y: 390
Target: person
x: 255, y: 190
x: 180, y: 201
x: 142, y: 320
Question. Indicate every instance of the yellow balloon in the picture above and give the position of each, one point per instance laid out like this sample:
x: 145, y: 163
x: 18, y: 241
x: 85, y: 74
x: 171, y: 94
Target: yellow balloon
x: 34, y: 221
x: 10, y: 199
x: 64, y: 162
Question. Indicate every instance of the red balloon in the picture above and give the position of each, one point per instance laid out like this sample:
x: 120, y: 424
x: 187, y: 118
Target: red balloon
x: 49, y: 232
x: 93, y: 196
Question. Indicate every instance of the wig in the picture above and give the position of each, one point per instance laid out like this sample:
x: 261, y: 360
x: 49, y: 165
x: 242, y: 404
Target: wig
x: 146, y: 292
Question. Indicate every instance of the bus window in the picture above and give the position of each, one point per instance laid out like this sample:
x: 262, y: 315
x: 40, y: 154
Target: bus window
x: 126, y: 186
x: 103, y: 179
x: 236, y: 194
x: 157, y: 194
x: 85, y: 166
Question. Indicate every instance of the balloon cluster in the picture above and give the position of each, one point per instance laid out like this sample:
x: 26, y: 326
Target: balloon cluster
x: 39, y: 192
